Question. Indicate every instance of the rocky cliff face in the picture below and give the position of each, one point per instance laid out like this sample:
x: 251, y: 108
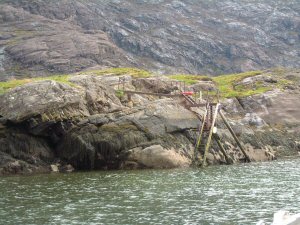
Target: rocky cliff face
x: 86, y: 124
x: 42, y: 37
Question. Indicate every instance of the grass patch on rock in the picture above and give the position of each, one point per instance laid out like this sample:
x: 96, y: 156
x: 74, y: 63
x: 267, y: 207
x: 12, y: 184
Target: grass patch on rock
x: 64, y: 78
x: 119, y: 93
x: 190, y: 79
x: 228, y: 89
x: 134, y: 72
x: 229, y: 85
x: 7, y: 85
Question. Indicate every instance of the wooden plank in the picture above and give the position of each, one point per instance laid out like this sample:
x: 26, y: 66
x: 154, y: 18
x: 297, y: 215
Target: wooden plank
x: 115, y: 84
x: 210, y: 134
x: 153, y: 94
x: 189, y: 99
x: 201, y: 104
x: 234, y: 136
x: 192, y: 104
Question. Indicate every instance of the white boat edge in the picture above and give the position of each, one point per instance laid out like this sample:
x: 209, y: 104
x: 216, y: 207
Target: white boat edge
x: 283, y: 217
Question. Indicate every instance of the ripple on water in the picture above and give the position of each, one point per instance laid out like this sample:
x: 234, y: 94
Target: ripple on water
x: 240, y: 194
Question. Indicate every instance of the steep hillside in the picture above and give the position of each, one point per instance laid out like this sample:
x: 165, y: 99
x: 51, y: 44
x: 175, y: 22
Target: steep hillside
x: 211, y: 37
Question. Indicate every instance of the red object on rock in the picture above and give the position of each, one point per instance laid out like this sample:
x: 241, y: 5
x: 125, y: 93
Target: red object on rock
x: 187, y: 93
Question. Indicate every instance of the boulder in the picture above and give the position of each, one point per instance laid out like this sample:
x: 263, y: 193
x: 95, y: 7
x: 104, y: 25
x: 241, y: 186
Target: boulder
x: 68, y: 168
x: 59, y: 101
x: 259, y: 78
x: 253, y: 119
x: 49, y: 98
x: 156, y: 156
x: 232, y: 106
x: 54, y: 168
x: 99, y: 96
x: 10, y: 165
x: 165, y: 116
x: 157, y: 84
x: 258, y: 155
x: 203, y: 86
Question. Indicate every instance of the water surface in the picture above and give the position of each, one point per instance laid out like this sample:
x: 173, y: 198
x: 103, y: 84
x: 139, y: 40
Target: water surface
x: 239, y: 194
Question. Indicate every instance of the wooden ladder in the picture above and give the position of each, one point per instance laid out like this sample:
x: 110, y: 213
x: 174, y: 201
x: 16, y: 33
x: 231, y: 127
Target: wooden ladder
x: 206, y: 133
x: 212, y: 121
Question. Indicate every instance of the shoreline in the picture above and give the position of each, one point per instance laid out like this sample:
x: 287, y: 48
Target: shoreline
x: 92, y: 125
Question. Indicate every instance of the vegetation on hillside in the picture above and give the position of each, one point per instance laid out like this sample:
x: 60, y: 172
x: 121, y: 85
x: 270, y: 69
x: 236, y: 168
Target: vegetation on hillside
x: 190, y: 79
x: 134, y: 72
x: 64, y: 78
x: 229, y: 85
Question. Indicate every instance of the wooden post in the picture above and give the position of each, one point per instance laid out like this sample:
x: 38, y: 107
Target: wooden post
x: 200, y: 135
x: 234, y: 136
x: 207, y: 100
x: 211, y: 113
x: 210, y: 134
x: 228, y: 159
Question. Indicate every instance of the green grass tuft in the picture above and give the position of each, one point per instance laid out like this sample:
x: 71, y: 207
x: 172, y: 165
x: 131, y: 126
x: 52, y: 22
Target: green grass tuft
x: 58, y: 78
x: 119, y: 93
x: 64, y: 78
x: 134, y: 72
x: 228, y: 85
x: 228, y: 89
x: 189, y: 79
x: 7, y: 85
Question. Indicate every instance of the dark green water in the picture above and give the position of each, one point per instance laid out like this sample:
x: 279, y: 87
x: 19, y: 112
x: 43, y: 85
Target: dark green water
x: 240, y: 194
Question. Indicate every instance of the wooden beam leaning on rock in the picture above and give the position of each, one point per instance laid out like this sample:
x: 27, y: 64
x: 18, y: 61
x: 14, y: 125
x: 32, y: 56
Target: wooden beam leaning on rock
x: 234, y: 136
x: 228, y: 159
